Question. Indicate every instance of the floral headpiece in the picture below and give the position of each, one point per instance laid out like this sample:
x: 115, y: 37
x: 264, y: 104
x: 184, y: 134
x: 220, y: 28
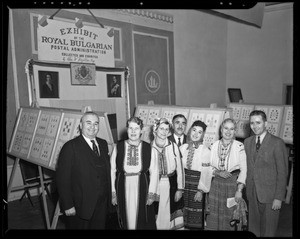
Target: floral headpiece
x: 159, y: 121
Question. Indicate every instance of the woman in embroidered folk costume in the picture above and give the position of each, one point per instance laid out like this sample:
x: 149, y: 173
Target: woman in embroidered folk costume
x: 171, y: 178
x: 228, y: 162
x: 198, y: 174
x: 134, y: 175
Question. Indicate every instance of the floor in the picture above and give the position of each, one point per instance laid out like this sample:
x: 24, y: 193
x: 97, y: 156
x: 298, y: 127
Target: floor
x: 23, y: 215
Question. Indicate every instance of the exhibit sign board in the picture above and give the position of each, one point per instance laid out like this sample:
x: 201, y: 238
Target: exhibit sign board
x: 62, y: 41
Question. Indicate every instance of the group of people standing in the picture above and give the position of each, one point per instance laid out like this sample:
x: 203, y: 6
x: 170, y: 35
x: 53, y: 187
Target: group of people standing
x: 175, y: 181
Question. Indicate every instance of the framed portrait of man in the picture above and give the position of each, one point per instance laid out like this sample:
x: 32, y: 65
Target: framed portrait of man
x: 114, y: 86
x: 48, y: 84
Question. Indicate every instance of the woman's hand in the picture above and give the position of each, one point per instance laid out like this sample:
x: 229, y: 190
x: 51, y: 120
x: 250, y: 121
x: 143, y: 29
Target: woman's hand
x: 114, y: 199
x: 149, y: 201
x: 178, y: 195
x: 238, y: 196
x: 198, y: 196
x: 223, y: 173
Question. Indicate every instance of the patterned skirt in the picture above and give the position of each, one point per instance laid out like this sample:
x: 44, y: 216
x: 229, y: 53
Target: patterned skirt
x: 220, y: 215
x: 193, y: 211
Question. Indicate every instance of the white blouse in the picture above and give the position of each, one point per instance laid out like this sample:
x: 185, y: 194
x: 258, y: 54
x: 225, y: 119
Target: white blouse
x: 200, y: 161
x: 236, y: 159
x: 172, y: 161
x: 134, y: 165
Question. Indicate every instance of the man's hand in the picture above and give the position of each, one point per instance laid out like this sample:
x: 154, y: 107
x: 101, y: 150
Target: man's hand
x: 70, y: 212
x: 178, y: 195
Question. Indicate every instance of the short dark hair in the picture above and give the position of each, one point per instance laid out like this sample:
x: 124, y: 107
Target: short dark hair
x: 178, y: 116
x: 259, y: 112
x: 200, y: 124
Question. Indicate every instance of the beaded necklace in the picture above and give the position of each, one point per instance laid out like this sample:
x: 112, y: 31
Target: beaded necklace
x: 190, y: 157
x: 162, y: 162
x: 223, y: 153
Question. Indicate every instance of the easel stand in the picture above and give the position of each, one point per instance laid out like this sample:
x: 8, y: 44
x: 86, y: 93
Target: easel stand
x: 57, y: 213
x: 31, y: 179
x: 43, y: 183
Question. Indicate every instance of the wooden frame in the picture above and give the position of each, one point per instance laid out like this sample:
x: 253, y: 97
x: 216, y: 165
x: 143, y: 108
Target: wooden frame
x: 235, y: 94
x: 51, y: 89
x: 83, y: 73
x: 40, y: 133
x: 114, y: 85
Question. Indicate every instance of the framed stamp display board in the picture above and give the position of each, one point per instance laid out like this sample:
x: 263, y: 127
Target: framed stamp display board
x: 286, y: 131
x: 40, y: 133
x: 23, y: 133
x: 240, y: 113
x: 69, y: 129
x: 45, y: 135
x: 279, y: 117
x: 274, y: 117
x: 213, y: 117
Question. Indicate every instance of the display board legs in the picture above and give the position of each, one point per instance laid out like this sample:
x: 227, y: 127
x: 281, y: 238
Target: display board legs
x: 44, y: 198
x: 289, y: 188
x: 42, y: 184
x: 57, y: 213
x: 12, y: 175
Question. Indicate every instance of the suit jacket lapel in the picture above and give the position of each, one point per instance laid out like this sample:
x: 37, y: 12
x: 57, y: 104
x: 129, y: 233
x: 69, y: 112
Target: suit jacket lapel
x: 253, y: 149
x: 266, y: 140
x: 264, y: 143
x: 172, y: 138
x: 184, y: 139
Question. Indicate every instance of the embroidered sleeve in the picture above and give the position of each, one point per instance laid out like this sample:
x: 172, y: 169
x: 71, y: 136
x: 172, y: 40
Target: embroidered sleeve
x: 243, y: 165
x: 113, y: 168
x: 113, y: 195
x: 206, y: 172
x: 241, y: 147
x: 154, y: 172
x: 153, y: 196
x: 205, y: 164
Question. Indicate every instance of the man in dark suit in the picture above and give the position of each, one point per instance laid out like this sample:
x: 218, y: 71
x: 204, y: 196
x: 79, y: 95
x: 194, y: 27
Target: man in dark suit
x: 267, y: 171
x: 179, y: 125
x: 83, y: 177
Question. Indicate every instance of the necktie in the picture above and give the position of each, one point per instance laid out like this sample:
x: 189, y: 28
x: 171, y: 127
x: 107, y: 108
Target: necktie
x: 179, y: 143
x: 258, y: 143
x: 95, y: 149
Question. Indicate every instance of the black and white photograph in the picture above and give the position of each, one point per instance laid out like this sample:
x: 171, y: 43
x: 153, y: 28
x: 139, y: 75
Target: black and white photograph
x: 49, y: 84
x: 114, y: 86
x: 141, y: 118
